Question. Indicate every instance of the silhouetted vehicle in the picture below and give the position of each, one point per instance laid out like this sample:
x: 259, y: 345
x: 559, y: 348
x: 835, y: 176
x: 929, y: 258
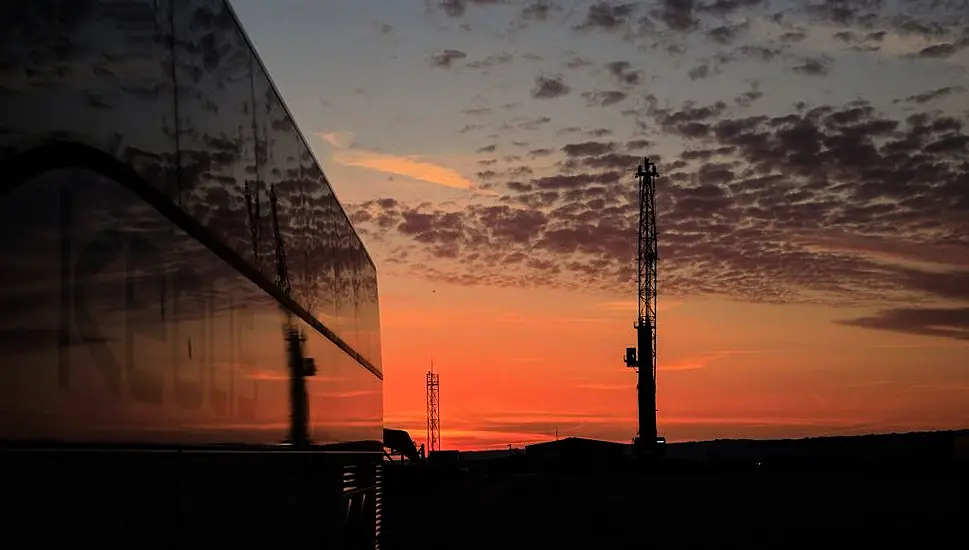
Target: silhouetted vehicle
x: 152, y: 292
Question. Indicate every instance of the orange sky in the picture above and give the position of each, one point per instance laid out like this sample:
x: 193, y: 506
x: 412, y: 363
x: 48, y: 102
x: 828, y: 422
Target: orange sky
x: 516, y: 365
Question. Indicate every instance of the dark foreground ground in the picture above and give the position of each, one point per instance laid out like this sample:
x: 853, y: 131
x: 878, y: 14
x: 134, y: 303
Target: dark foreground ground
x: 710, y: 507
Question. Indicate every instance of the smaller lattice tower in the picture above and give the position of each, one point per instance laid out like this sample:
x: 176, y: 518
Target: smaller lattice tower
x: 433, y: 410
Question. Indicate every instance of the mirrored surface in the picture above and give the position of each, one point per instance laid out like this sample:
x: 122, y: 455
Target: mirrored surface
x: 119, y: 326
x: 268, y: 143
x: 122, y: 322
x: 344, y: 290
x: 98, y: 73
x: 216, y: 138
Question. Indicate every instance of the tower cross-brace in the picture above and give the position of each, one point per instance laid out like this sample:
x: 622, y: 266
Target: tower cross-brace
x: 433, y: 411
x: 647, y: 260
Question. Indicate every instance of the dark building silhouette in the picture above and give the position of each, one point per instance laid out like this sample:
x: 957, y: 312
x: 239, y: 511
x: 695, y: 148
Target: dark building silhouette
x: 145, y: 381
x: 578, y: 452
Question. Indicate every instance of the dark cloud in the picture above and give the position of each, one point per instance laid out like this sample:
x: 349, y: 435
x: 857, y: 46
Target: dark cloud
x: 638, y: 145
x: 847, y: 37
x: 748, y: 97
x: 604, y: 98
x: 467, y: 128
x: 726, y: 7
x: 793, y: 36
x: 598, y: 132
x: 539, y: 10
x: 860, y: 25
x: 842, y: 12
x: 698, y: 72
x: 814, y: 66
x: 525, y: 123
x: 457, y: 8
x: 876, y: 36
x: 939, y: 51
x: 588, y: 148
x: 603, y: 15
x: 760, y: 53
x: 689, y: 121
x: 453, y: 8
x: 725, y: 34
x: 679, y: 15
x: 577, y: 62
x: 492, y: 60
x: 445, y: 58
x: 623, y: 72
x: 547, y: 88
x: 932, y: 95
x: 941, y: 322
x: 946, y: 285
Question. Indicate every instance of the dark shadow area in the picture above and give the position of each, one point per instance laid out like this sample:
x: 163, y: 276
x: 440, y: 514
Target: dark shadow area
x: 188, y: 498
x: 883, y: 492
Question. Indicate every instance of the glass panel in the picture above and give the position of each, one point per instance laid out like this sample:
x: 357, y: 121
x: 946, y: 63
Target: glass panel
x: 371, y: 321
x: 96, y: 73
x: 282, y: 178
x: 345, y: 399
x: 120, y: 327
x: 215, y: 120
x: 319, y: 228
x: 355, y: 256
x: 266, y: 111
x: 375, y: 343
x: 117, y: 324
x: 344, y: 291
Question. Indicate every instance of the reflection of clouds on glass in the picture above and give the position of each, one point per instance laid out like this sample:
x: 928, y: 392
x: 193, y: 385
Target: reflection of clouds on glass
x: 99, y: 74
x: 173, y: 90
x: 117, y: 322
x: 119, y: 325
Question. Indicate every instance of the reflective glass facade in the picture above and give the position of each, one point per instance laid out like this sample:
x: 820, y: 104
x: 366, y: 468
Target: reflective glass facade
x: 141, y: 143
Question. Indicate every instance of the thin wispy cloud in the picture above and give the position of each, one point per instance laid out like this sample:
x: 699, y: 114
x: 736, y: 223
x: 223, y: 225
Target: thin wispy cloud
x: 411, y: 166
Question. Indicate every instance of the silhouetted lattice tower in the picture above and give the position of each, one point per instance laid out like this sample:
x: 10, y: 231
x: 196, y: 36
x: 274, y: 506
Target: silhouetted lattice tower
x: 433, y: 411
x: 646, y: 260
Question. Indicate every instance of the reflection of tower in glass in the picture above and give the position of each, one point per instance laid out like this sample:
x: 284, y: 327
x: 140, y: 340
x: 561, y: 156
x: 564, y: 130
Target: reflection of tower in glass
x: 299, y: 366
x: 433, y: 410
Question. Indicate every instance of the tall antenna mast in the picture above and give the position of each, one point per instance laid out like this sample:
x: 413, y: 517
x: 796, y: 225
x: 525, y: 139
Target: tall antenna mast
x: 646, y: 276
x: 433, y: 410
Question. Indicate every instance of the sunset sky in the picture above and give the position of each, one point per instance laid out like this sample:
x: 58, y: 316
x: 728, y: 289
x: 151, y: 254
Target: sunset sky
x: 813, y: 205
